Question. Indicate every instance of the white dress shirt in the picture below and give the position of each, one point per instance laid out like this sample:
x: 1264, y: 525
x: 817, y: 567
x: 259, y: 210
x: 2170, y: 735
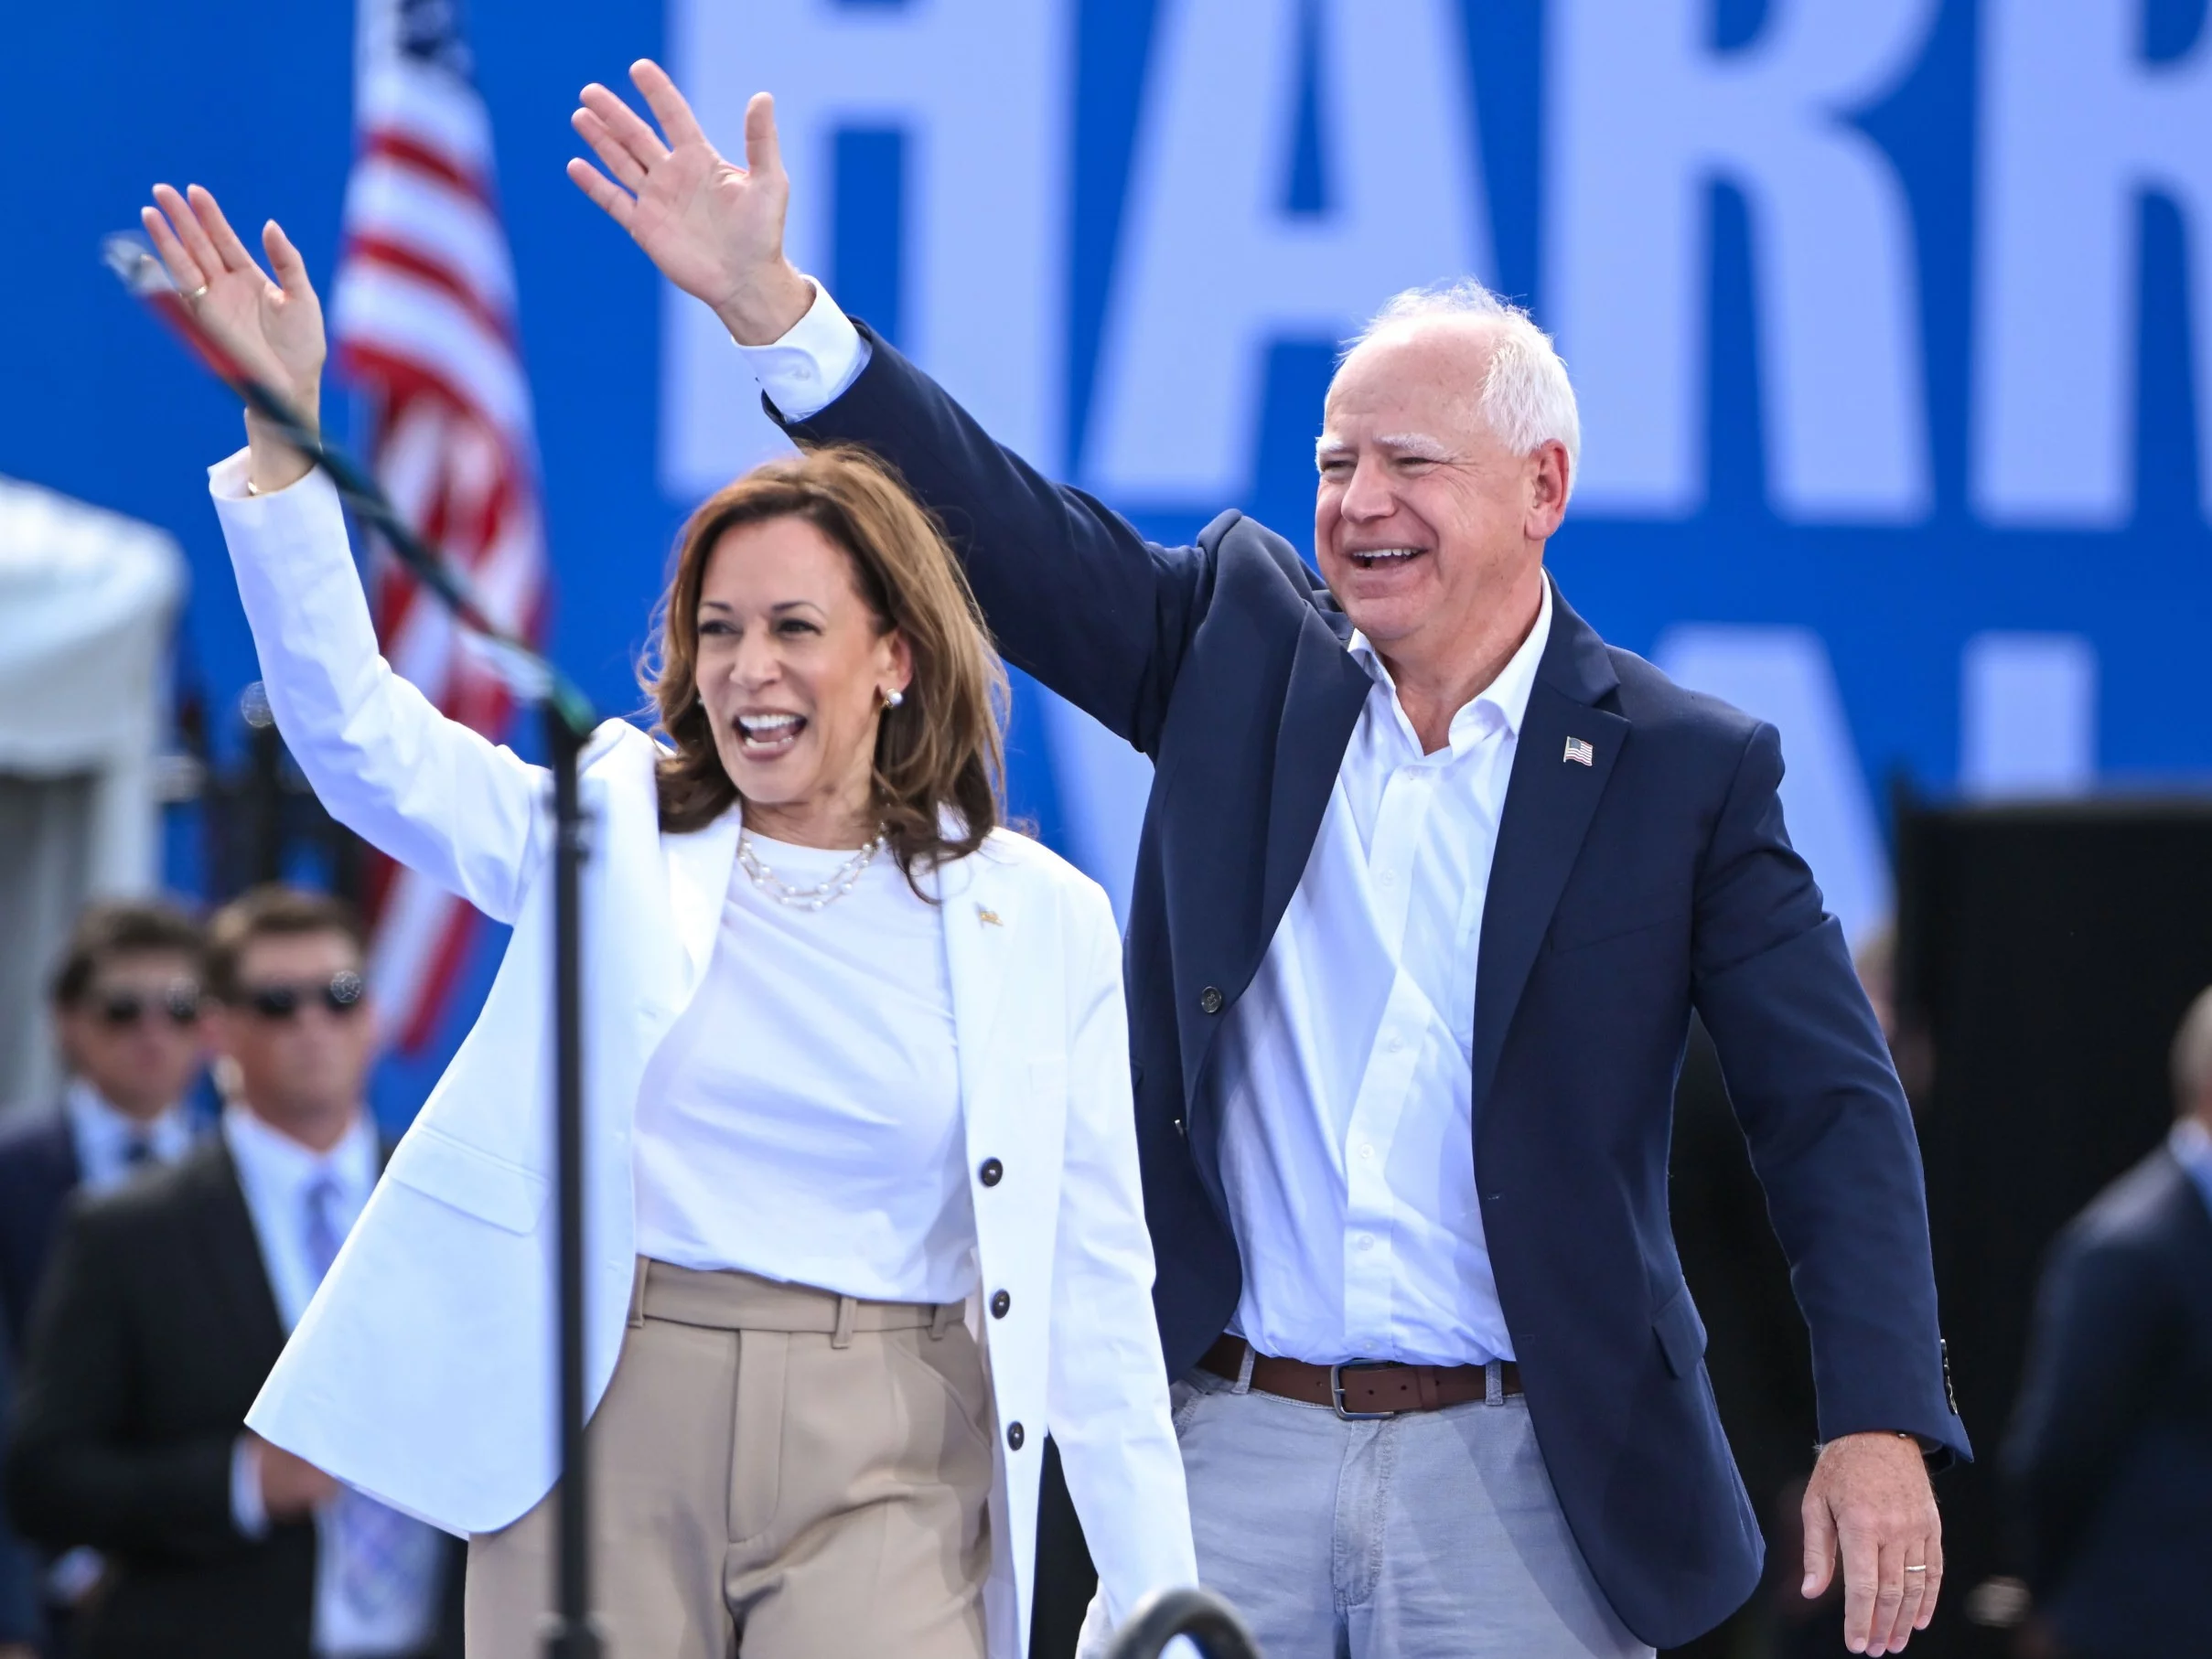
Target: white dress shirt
x: 801, y: 1121
x: 1347, y: 1080
x: 103, y: 1138
x: 276, y: 1174
x: 1347, y: 1143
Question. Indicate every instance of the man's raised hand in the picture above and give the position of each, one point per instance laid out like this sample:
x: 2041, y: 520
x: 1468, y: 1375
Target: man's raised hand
x: 715, y: 229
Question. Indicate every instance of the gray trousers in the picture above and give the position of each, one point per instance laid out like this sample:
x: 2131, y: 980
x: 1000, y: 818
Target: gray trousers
x: 1431, y: 1536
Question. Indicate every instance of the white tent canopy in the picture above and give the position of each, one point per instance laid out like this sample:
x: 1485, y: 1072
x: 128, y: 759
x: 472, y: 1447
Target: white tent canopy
x: 86, y: 601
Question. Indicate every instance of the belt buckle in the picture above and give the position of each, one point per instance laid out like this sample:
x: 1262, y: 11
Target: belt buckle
x: 1336, y: 1390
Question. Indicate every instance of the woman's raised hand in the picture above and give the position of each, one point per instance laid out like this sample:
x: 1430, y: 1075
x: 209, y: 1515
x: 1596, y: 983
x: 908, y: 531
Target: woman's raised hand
x: 272, y: 329
x: 715, y: 229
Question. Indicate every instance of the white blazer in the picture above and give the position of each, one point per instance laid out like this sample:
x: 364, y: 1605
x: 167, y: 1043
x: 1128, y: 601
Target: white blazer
x: 423, y: 1373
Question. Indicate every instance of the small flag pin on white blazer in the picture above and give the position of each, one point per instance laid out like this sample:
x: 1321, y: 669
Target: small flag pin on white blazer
x: 988, y: 917
x: 1580, y: 752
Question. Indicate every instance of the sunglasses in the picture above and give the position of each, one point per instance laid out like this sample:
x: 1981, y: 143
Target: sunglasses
x: 126, y: 1008
x: 341, y: 995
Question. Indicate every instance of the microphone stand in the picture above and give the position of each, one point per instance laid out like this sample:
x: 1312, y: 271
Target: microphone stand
x: 1210, y: 1623
x: 569, y: 721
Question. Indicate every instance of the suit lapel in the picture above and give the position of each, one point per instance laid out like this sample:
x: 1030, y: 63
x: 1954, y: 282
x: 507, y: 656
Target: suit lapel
x: 978, y: 919
x: 1320, y: 706
x: 1328, y: 687
x: 224, y: 1229
x: 1550, y: 800
x: 699, y: 867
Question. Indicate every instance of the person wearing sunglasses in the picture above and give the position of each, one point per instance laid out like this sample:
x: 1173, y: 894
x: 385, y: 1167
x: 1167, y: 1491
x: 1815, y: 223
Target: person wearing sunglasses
x: 166, y: 1307
x: 125, y: 1000
x: 125, y: 1004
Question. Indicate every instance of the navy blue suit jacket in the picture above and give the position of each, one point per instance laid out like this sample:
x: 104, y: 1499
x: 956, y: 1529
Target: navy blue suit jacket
x: 1623, y: 894
x: 2111, y: 1447
x: 37, y: 1173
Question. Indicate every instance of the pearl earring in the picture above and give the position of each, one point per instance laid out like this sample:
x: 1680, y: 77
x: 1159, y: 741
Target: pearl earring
x: 892, y: 698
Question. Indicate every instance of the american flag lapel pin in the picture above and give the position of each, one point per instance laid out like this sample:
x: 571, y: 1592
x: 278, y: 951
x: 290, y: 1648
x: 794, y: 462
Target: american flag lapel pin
x: 989, y: 917
x: 1581, y: 752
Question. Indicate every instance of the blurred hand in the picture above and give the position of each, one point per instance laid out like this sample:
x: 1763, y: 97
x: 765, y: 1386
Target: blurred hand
x: 291, y: 1487
x: 1870, y: 1493
x: 715, y: 229
x: 274, y: 329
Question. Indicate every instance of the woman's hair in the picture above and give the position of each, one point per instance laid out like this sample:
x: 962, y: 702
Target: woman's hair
x: 939, y: 757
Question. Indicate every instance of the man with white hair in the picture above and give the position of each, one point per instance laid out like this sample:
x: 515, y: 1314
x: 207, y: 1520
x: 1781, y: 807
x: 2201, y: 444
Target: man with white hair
x: 1430, y: 882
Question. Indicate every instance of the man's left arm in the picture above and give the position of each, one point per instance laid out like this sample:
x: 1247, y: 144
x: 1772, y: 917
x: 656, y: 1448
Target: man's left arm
x: 1832, y: 1137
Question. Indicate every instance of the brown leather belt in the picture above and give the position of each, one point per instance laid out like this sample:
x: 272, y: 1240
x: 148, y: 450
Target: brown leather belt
x: 1360, y: 1388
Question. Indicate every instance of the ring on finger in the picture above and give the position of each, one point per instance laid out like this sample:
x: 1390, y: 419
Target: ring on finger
x: 1920, y: 1568
x: 199, y: 293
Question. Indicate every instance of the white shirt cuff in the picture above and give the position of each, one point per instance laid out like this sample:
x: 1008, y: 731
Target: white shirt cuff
x: 247, y: 1512
x: 813, y: 365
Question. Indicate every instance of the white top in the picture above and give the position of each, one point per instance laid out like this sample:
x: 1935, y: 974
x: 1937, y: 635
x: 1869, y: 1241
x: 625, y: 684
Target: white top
x: 802, y: 1119
x: 103, y: 1135
x: 278, y: 1175
x: 1347, y: 1141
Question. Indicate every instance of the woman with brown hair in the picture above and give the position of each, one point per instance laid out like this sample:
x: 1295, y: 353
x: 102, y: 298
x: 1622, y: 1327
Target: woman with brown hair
x: 863, y: 1212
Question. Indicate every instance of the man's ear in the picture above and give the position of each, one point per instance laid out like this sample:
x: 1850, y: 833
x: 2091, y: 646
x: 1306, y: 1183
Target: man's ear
x: 1549, y: 479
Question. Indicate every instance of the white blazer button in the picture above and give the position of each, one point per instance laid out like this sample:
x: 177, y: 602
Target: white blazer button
x: 1015, y: 1436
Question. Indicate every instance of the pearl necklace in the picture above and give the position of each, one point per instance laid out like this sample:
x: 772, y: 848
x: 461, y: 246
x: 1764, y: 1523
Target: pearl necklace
x: 842, y: 880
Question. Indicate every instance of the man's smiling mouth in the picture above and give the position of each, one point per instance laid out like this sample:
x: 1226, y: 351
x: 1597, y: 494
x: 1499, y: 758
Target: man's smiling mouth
x: 1383, y: 557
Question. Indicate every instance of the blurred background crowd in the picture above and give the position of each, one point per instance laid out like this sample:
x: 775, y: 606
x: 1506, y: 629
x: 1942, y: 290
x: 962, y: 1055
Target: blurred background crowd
x: 1889, y: 323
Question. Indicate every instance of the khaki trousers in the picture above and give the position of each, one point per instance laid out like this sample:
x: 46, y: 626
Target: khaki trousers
x: 779, y: 1472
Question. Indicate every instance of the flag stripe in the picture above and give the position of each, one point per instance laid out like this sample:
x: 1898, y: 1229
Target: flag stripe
x: 422, y: 320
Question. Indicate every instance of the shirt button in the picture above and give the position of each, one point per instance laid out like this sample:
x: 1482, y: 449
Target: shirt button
x: 1210, y: 998
x: 999, y: 1304
x: 992, y: 1172
x: 1366, y: 1241
x: 1015, y: 1436
x: 1384, y: 878
x: 1367, y: 1151
x: 1396, y: 1044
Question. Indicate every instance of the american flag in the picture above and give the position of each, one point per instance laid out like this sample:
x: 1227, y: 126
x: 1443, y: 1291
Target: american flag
x: 423, y: 319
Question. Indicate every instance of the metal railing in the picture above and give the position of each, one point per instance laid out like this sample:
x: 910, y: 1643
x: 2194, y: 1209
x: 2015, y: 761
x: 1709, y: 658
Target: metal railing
x: 1210, y: 1623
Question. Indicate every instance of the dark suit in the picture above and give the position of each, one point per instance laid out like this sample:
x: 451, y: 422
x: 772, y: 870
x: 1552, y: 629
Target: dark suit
x: 1623, y: 894
x: 154, y: 1331
x: 18, y: 1579
x: 2111, y: 1447
x: 37, y: 1173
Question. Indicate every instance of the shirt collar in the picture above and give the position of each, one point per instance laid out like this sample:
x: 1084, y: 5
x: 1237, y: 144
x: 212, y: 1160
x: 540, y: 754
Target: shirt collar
x: 105, y: 1132
x: 270, y: 1160
x: 2191, y: 1144
x: 1503, y: 703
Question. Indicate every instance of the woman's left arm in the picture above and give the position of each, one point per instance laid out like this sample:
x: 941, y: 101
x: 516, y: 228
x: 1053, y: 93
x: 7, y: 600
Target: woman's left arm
x: 1109, y: 1406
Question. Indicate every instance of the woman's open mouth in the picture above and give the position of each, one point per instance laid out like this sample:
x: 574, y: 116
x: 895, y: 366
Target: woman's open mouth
x: 768, y: 736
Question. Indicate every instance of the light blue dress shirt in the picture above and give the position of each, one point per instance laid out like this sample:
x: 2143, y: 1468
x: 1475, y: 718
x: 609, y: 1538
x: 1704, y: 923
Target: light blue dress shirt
x: 278, y: 1175
x: 103, y: 1138
x: 2191, y: 1144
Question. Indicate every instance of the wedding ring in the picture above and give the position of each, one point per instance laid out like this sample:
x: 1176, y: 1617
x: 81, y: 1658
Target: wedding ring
x: 198, y: 292
x: 1921, y: 1569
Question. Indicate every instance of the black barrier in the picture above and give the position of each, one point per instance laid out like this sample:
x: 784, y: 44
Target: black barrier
x: 1208, y: 1621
